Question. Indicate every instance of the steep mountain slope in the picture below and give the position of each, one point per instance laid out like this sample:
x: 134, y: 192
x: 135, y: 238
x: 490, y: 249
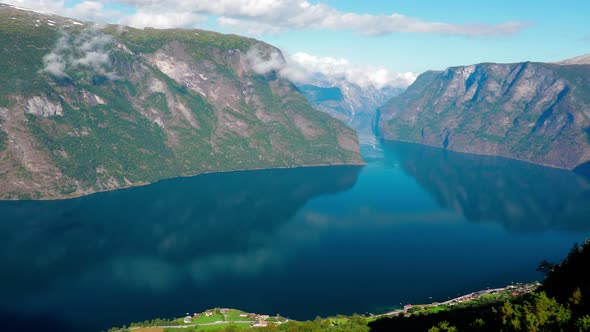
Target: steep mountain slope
x: 349, y: 102
x: 536, y: 112
x: 86, y: 109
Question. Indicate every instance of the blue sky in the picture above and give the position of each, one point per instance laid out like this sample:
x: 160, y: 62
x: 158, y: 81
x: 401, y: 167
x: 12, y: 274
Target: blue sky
x: 558, y: 30
x: 428, y: 35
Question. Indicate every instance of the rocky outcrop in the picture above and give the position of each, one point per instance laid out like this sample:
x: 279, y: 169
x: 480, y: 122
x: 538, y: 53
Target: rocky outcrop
x: 86, y: 109
x: 536, y: 112
x: 41, y: 106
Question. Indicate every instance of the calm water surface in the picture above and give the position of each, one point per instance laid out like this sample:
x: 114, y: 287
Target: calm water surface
x: 416, y: 225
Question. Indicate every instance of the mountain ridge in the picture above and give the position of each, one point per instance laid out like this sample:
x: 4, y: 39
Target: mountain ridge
x: 579, y: 60
x: 86, y: 108
x: 530, y: 111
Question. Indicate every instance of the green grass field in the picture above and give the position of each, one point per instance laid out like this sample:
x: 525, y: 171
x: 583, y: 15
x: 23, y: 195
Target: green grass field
x: 234, y: 315
x: 222, y: 326
x: 204, y: 319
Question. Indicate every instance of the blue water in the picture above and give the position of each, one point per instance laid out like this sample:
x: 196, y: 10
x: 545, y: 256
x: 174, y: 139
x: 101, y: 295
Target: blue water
x: 416, y: 225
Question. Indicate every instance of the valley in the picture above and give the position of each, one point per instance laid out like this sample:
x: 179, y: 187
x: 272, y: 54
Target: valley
x: 322, y: 166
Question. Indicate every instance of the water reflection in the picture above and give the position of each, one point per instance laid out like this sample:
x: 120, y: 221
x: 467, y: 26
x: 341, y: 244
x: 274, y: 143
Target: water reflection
x: 154, y: 238
x: 287, y: 241
x: 521, y: 196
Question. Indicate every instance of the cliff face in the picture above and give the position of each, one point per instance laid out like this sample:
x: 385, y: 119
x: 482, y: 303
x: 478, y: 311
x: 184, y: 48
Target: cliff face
x: 86, y: 109
x: 350, y: 103
x: 536, y: 112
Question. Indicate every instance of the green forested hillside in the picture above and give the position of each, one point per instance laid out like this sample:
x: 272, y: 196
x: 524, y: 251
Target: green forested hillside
x: 85, y: 108
x: 562, y: 303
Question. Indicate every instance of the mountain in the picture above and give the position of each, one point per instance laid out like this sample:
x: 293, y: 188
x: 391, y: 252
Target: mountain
x: 349, y: 102
x: 536, y: 112
x: 85, y: 108
x: 579, y: 60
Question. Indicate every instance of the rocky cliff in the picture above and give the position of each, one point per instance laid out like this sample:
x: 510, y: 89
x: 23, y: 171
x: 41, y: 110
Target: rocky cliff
x: 86, y: 108
x: 349, y: 102
x: 536, y: 112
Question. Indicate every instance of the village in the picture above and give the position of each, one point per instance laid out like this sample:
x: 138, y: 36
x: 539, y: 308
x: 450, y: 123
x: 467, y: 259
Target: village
x: 233, y: 316
x: 215, y: 317
x: 494, y: 294
x: 222, y: 317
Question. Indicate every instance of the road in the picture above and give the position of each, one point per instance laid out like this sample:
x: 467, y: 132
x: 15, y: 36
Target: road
x: 219, y: 322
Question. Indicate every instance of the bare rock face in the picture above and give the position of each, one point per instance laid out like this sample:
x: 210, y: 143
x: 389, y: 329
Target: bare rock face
x: 535, y: 112
x: 41, y: 106
x: 112, y: 107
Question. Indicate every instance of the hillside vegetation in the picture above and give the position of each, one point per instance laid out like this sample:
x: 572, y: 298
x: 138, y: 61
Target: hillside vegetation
x: 86, y: 108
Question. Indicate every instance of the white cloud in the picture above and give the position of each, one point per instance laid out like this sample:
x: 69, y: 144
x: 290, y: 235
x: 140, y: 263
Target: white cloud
x: 92, y: 59
x: 308, y: 67
x: 304, y: 68
x: 251, y: 27
x: 85, y: 10
x: 264, y: 16
x: 163, y: 20
x: 55, y: 64
x: 87, y: 50
x: 263, y: 60
x: 273, y: 16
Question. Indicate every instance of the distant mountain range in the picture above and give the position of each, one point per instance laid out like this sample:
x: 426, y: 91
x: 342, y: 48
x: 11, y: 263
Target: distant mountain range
x: 579, y: 60
x: 86, y: 108
x: 536, y: 112
x: 349, y: 102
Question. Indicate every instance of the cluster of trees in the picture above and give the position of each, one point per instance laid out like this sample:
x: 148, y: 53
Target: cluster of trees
x: 562, y: 303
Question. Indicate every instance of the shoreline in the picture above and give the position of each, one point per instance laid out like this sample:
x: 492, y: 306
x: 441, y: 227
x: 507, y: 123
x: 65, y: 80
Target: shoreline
x: 223, y: 318
x: 519, y: 288
x: 483, y: 154
x: 141, y: 184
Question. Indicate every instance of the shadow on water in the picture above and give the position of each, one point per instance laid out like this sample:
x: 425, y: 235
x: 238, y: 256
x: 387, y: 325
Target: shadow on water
x: 201, y: 225
x: 15, y: 322
x: 521, y: 196
x: 584, y: 169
